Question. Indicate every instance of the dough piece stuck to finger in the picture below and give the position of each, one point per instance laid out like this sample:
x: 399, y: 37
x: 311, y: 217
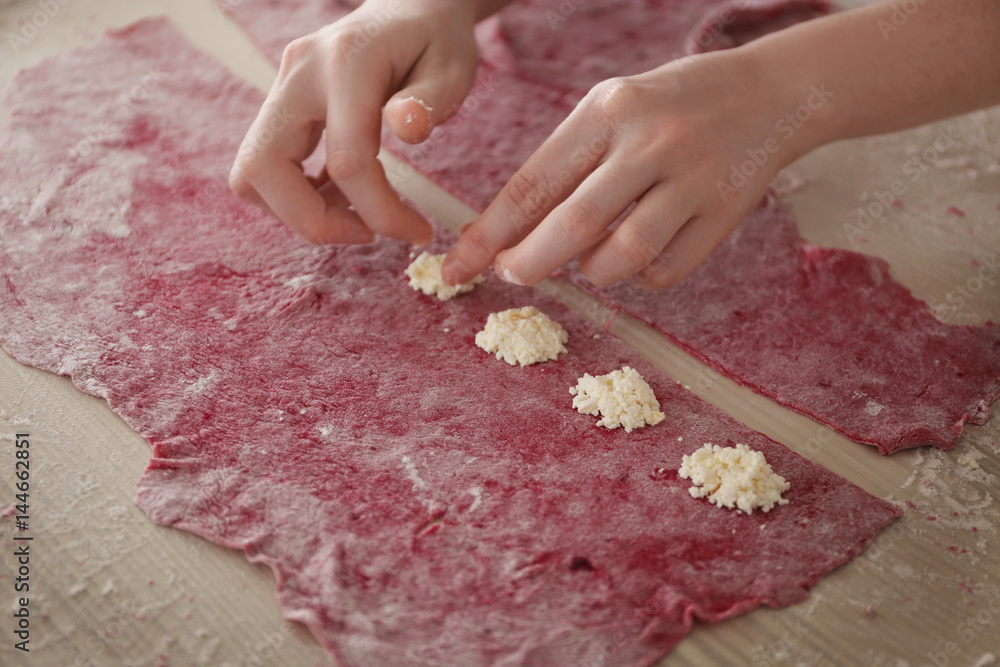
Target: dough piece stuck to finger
x: 734, y: 477
x: 621, y: 398
x: 425, y: 276
x: 523, y: 336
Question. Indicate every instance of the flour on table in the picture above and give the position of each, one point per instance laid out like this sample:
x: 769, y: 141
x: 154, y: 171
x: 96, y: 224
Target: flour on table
x: 425, y: 276
x: 734, y: 477
x: 523, y: 336
x: 621, y: 398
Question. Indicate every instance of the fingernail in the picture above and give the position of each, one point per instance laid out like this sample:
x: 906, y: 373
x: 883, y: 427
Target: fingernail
x: 507, y: 276
x: 360, y: 236
x: 454, y: 271
x: 417, y: 122
x: 428, y: 108
x: 422, y: 239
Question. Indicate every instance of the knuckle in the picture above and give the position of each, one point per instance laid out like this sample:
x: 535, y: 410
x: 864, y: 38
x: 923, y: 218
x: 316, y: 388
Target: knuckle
x: 662, y: 273
x: 582, y: 217
x: 296, y: 51
x: 634, y: 247
x: 478, y: 241
x: 248, y: 170
x: 680, y: 140
x: 249, y: 154
x: 527, y: 194
x: 523, y: 186
x: 340, y: 45
x: 343, y: 163
x: 616, y: 98
x: 238, y: 184
x: 314, y: 233
x: 599, y: 277
x: 314, y: 227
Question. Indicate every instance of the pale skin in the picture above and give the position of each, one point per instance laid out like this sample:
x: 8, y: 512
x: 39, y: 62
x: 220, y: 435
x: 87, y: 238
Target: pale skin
x: 663, y: 140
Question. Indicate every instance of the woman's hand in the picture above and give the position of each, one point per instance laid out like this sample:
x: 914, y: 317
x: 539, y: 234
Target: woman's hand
x: 416, y: 58
x: 694, y: 144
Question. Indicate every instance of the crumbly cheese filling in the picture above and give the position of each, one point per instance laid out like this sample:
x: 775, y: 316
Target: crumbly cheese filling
x: 425, y: 276
x: 621, y: 398
x: 734, y: 477
x: 523, y: 336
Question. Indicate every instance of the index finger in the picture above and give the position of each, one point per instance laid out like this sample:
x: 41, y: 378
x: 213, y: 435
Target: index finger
x: 353, y: 126
x: 268, y: 167
x: 575, y: 225
x: 268, y: 172
x: 554, y: 170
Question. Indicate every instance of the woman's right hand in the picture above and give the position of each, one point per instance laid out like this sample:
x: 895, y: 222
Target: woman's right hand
x: 415, y: 58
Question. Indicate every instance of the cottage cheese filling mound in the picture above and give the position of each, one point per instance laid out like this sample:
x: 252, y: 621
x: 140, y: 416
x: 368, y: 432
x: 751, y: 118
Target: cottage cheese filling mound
x: 734, y: 477
x: 621, y: 398
x: 425, y: 276
x: 523, y: 336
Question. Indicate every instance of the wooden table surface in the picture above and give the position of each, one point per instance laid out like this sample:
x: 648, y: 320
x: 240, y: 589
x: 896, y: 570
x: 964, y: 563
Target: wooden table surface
x: 111, y: 588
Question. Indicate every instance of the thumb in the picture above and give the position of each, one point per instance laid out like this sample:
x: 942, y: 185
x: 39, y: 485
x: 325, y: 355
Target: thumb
x: 430, y: 96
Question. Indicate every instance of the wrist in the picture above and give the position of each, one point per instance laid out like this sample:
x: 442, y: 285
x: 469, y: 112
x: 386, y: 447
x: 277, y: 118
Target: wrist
x: 802, y: 107
x: 788, y: 114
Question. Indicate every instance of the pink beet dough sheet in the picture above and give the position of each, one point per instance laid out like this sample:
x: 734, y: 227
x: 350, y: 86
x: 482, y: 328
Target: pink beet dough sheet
x: 420, y: 502
x: 828, y: 333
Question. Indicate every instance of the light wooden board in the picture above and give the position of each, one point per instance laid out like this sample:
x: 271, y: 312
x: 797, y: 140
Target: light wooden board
x: 111, y: 588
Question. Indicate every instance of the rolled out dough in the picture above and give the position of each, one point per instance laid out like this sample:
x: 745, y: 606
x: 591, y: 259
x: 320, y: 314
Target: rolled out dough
x: 419, y: 503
